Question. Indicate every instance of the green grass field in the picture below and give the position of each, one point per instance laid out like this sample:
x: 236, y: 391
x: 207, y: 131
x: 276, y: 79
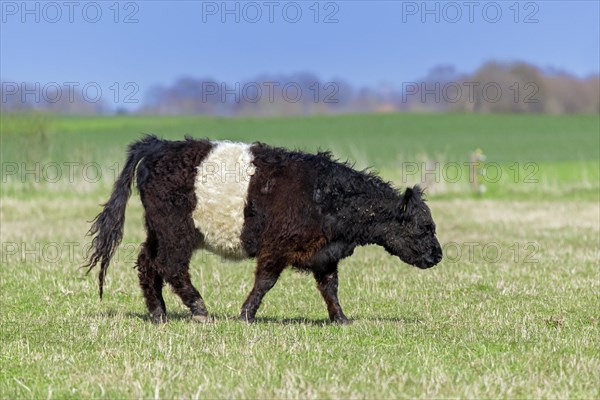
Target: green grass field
x: 512, y: 311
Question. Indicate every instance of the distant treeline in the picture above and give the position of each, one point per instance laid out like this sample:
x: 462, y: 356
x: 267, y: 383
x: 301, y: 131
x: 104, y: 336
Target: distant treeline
x: 493, y: 88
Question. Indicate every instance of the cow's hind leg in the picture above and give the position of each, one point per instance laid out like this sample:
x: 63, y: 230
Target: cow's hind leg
x: 151, y: 283
x: 327, y: 283
x: 182, y: 286
x: 176, y: 243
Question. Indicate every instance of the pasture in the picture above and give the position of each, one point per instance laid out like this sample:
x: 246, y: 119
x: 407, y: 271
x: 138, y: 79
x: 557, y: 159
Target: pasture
x: 512, y: 310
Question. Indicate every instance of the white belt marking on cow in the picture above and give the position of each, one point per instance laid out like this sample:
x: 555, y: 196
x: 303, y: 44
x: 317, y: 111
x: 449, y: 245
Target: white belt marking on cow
x: 221, y: 190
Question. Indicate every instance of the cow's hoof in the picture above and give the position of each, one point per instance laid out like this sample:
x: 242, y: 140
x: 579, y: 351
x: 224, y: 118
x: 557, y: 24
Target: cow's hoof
x: 158, y: 319
x: 245, y: 318
x: 202, y: 319
x: 341, y: 320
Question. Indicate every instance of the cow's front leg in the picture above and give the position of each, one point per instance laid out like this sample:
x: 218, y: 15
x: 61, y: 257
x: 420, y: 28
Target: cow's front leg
x: 327, y: 283
x: 265, y: 277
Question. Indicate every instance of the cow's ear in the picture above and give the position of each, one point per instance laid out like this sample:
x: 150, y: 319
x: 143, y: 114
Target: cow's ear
x: 404, y: 206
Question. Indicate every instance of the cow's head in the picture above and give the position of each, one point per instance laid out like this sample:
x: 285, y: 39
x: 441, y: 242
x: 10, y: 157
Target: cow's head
x: 411, y: 235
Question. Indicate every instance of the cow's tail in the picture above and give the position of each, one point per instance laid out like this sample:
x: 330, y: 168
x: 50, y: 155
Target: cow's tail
x: 107, y: 227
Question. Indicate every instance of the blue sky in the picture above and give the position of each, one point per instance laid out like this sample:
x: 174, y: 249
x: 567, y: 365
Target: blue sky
x: 365, y: 43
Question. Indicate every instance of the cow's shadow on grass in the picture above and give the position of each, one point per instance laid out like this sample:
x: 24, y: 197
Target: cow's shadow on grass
x: 291, y: 321
x: 326, y: 321
x: 185, y: 316
x: 142, y: 316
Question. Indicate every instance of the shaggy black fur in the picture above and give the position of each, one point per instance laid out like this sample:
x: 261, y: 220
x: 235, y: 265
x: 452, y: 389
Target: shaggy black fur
x: 303, y: 210
x: 310, y: 211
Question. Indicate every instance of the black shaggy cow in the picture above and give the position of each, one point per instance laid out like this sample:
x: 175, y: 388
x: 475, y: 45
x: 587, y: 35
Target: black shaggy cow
x: 238, y: 200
